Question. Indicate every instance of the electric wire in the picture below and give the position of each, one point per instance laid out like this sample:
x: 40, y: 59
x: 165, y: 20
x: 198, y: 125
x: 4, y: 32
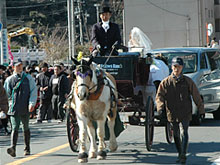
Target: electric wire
x: 32, y: 6
x: 183, y: 15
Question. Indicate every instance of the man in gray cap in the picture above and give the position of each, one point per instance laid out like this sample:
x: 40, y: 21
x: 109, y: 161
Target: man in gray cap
x: 174, y: 95
x: 22, y: 93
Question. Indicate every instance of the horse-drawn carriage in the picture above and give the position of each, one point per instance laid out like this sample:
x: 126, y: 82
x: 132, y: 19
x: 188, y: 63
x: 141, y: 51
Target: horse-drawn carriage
x: 131, y: 74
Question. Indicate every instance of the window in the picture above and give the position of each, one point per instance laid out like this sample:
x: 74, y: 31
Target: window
x: 189, y: 59
x: 217, y: 25
x: 209, y: 13
x: 203, y: 64
x: 212, y: 56
x: 216, y: 2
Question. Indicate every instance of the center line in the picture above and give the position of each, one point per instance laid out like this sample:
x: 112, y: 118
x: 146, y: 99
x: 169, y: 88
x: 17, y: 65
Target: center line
x: 38, y: 154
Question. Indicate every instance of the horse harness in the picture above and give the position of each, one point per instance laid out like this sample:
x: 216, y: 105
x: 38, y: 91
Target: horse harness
x: 101, y: 76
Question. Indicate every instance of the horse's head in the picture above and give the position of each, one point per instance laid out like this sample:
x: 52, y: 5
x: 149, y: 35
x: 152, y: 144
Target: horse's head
x: 84, y: 76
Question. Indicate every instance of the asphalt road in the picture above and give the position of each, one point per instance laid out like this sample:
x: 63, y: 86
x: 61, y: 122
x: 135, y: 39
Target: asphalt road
x: 49, y: 146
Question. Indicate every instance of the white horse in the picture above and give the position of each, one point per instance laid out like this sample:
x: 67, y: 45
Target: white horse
x: 94, y: 99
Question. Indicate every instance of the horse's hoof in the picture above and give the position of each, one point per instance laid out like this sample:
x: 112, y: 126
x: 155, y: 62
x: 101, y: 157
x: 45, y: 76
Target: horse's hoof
x: 85, y: 160
x: 113, y: 148
x: 92, y: 155
x: 101, y: 155
x: 83, y: 157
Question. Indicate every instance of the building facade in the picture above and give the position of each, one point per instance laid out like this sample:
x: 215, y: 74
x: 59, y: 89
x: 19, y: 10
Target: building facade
x: 173, y: 23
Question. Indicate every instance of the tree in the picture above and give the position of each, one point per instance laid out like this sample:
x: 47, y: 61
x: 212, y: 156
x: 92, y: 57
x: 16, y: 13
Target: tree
x: 54, y: 42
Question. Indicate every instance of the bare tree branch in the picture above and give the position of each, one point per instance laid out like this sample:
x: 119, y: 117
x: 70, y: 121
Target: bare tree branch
x: 54, y: 42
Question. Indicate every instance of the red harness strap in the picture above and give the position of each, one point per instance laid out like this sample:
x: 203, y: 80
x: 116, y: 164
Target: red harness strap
x: 96, y: 95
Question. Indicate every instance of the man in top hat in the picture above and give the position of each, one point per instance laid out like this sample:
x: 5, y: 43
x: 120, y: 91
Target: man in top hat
x: 174, y: 94
x: 22, y: 93
x: 105, y: 34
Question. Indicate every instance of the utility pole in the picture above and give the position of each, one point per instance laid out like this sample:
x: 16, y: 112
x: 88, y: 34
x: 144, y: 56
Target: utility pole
x: 71, y: 28
x: 80, y: 21
x: 85, y: 24
x: 97, y: 12
x: 3, y: 34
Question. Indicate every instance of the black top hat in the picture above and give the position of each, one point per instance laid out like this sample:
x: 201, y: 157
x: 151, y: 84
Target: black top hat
x: 105, y: 9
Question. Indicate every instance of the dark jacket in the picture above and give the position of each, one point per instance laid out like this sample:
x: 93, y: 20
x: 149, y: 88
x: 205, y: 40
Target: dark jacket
x: 3, y: 99
x: 23, y: 96
x: 63, y: 86
x: 105, y: 39
x: 175, y: 94
x: 42, y: 80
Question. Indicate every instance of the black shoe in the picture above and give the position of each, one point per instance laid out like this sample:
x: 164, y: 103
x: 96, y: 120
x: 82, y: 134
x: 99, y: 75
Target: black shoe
x: 37, y: 122
x: 11, y: 151
x: 183, y: 159
x: 178, y: 159
x: 27, y: 152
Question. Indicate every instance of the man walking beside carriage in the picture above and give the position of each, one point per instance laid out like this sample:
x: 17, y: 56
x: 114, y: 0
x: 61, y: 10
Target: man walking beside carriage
x: 175, y: 93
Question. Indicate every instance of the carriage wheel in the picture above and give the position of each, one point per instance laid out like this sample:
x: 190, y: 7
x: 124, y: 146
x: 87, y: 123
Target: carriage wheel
x: 169, y: 132
x: 72, y: 130
x: 149, y: 123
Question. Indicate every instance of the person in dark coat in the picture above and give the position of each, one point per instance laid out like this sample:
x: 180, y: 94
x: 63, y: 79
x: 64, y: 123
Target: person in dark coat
x: 59, y: 86
x: 3, y: 108
x: 176, y: 93
x: 42, y: 81
x: 2, y: 77
x: 105, y: 34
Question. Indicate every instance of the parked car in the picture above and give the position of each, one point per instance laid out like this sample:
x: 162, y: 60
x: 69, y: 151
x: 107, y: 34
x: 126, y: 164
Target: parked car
x: 202, y: 65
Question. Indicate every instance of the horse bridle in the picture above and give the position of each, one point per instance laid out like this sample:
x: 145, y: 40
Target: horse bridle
x: 84, y: 75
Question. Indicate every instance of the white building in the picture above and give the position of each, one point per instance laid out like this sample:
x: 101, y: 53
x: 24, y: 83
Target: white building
x: 173, y: 23
x: 28, y: 55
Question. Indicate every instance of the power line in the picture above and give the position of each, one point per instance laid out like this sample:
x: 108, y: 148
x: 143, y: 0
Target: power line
x: 32, y: 6
x: 183, y: 15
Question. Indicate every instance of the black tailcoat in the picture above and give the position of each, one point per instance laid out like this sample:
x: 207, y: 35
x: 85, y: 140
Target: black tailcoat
x: 105, y: 39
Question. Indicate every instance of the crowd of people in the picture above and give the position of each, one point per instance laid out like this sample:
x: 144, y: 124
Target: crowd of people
x: 21, y: 87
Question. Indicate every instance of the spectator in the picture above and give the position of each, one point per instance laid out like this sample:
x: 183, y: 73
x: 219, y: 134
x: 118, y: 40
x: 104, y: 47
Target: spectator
x: 59, y: 84
x: 214, y: 43
x: 10, y: 69
x: 3, y: 108
x: 4, y: 119
x: 22, y: 91
x: 63, y: 69
x: 42, y: 81
x: 2, y: 77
